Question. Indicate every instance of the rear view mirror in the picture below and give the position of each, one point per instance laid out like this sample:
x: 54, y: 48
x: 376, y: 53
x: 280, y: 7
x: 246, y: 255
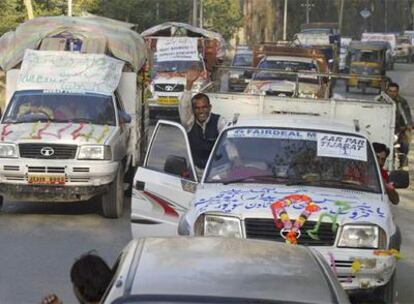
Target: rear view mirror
x: 124, y: 117
x: 176, y: 165
x: 400, y: 178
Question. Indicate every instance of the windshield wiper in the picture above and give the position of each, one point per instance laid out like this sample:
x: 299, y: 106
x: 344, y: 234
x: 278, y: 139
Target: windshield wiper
x: 253, y: 178
x: 332, y: 181
x: 78, y: 120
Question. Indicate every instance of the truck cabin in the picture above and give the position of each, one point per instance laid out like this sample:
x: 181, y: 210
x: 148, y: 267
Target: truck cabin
x: 369, y: 52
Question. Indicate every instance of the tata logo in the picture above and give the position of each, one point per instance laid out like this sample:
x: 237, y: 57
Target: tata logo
x: 169, y: 88
x: 47, y: 151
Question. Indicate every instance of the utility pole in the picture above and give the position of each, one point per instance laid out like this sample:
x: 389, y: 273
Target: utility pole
x: 194, y: 12
x: 70, y: 8
x: 29, y: 9
x: 285, y: 21
x: 308, y: 7
x: 341, y: 16
x: 201, y: 13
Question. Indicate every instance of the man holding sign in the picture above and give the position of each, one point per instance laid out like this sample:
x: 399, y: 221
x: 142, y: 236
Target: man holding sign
x: 202, y: 126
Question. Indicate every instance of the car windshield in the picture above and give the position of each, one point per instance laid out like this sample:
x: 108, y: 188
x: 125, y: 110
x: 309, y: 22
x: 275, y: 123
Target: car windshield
x: 289, y: 66
x: 243, y: 60
x: 33, y: 106
x: 293, y: 156
x: 177, y: 66
x: 366, y: 55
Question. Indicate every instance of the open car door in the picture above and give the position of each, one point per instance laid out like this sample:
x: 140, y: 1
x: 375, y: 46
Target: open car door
x: 165, y: 184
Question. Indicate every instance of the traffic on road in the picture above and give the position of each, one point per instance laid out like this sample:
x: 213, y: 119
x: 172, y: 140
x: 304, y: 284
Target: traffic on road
x: 178, y: 165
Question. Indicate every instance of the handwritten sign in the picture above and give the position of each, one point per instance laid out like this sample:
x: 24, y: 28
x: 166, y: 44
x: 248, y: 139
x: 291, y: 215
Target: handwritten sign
x: 271, y: 133
x: 68, y: 71
x: 342, y: 146
x: 177, y: 48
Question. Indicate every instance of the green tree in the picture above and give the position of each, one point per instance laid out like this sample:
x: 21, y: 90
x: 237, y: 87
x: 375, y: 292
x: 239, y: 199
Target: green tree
x: 11, y: 14
x: 223, y: 16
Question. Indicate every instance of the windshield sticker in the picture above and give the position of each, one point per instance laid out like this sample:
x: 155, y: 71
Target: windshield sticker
x: 341, y: 146
x: 177, y: 48
x: 271, y: 133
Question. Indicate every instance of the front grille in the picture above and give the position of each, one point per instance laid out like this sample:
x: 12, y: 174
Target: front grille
x: 60, y: 151
x: 10, y: 168
x: 40, y: 169
x: 266, y: 229
x: 168, y: 87
x: 81, y: 169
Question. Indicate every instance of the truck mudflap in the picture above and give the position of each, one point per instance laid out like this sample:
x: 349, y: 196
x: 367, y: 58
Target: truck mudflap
x: 50, y: 193
x: 361, y: 270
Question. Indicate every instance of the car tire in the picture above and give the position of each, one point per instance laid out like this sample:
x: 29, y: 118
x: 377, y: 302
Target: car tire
x: 112, y: 201
x: 386, y: 293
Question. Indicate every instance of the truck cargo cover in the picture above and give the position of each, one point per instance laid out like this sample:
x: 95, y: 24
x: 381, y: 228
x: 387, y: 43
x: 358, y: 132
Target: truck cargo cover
x: 118, y: 39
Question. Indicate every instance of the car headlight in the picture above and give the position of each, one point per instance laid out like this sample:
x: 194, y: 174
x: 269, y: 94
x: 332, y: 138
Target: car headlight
x: 362, y: 236
x: 216, y: 225
x: 8, y: 151
x: 95, y: 152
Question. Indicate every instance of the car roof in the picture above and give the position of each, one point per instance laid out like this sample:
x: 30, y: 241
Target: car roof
x: 297, y: 121
x: 228, y: 267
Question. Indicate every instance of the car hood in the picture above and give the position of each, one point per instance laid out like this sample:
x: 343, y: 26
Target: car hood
x: 56, y: 132
x: 254, y: 201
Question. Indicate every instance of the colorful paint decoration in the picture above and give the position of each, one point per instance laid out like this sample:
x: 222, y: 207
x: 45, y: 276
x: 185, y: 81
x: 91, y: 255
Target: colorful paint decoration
x: 282, y: 220
x: 388, y: 252
x: 5, y: 131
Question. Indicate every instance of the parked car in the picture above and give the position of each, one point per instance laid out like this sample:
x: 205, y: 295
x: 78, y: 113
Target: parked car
x: 221, y: 270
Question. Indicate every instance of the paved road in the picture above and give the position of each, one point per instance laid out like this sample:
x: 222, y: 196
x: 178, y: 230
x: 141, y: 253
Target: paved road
x: 39, y: 242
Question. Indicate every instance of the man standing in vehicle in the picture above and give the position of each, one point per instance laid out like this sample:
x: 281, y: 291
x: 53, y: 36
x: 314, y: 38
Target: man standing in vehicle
x: 403, y: 121
x: 202, y: 126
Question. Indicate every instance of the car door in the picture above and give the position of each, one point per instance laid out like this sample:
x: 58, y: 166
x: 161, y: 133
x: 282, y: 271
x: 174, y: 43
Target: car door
x: 165, y: 184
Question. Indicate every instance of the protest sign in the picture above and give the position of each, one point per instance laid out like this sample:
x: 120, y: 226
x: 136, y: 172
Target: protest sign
x: 68, y: 71
x: 341, y: 146
x: 177, y: 49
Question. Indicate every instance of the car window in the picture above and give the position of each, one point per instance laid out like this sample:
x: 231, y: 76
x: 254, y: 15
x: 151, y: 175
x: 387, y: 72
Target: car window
x: 169, y: 148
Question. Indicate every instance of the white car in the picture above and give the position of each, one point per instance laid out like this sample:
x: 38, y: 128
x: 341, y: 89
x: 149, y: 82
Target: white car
x: 306, y: 180
x: 221, y: 270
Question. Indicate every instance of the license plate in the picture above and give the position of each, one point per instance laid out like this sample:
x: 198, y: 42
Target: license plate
x: 46, y: 179
x: 168, y: 100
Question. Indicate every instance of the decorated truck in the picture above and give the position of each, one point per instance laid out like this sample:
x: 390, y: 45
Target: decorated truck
x: 287, y: 170
x: 75, y: 121
x: 177, y: 47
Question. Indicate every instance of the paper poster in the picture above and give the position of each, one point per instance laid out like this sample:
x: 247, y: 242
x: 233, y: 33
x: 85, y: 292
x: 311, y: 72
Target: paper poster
x: 341, y: 146
x: 177, y: 49
x: 271, y: 133
x: 68, y: 71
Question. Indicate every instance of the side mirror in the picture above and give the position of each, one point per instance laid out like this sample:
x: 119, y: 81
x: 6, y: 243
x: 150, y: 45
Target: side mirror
x: 400, y: 178
x: 124, y: 117
x: 176, y: 165
x: 248, y: 74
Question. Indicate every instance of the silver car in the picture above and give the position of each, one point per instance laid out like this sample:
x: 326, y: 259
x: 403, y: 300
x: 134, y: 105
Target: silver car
x: 221, y: 270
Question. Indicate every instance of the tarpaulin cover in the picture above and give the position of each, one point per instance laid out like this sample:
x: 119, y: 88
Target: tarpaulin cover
x: 120, y: 41
x: 175, y: 26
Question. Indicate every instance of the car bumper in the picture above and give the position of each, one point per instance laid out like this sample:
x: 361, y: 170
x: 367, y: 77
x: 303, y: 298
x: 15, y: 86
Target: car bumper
x: 359, y: 270
x: 82, y: 179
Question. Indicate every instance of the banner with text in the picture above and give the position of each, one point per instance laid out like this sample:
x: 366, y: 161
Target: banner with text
x: 342, y: 146
x: 71, y: 72
x: 177, y: 49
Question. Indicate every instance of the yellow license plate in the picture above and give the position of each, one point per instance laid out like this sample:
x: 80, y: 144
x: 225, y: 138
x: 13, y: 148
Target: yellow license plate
x: 46, y: 179
x: 168, y: 100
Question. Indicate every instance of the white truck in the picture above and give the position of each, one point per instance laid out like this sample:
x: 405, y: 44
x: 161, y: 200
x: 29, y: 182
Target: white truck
x: 74, y: 123
x: 295, y: 170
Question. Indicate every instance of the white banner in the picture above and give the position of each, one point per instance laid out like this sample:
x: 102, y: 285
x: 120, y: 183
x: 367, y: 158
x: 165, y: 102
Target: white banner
x: 68, y: 71
x: 177, y: 48
x: 341, y: 146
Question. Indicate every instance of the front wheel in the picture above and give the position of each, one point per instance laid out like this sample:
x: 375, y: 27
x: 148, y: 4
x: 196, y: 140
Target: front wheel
x: 113, y: 200
x: 386, y: 293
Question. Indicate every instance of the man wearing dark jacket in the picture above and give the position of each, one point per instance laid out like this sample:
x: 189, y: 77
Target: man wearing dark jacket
x: 202, y: 126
